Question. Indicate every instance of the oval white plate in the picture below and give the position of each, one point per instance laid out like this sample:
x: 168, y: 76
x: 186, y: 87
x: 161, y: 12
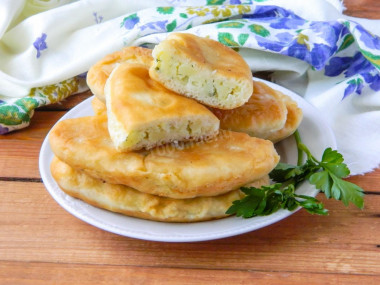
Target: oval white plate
x: 314, y: 131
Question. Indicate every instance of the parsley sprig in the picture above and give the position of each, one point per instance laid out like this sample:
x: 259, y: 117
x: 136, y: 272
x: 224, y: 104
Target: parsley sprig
x: 327, y: 176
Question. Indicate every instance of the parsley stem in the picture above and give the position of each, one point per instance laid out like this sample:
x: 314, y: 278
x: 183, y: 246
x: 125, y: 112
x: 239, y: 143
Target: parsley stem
x: 297, y: 137
x: 308, y: 153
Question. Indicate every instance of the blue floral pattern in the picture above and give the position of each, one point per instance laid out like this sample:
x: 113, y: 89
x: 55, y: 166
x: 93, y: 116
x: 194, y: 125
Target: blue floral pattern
x: 130, y: 22
x: 370, y: 40
x: 40, y: 44
x: 98, y: 18
x: 336, y: 48
x: 358, y: 68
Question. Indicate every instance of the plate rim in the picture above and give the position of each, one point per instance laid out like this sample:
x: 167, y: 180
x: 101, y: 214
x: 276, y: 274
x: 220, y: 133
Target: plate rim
x: 53, y: 189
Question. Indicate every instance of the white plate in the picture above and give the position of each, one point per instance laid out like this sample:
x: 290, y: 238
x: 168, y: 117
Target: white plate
x: 314, y: 131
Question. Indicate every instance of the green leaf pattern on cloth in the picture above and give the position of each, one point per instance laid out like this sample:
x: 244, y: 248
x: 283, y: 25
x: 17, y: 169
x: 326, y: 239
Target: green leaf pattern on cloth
x: 215, y: 2
x: 259, y: 30
x: 347, y: 41
x: 165, y: 10
x: 242, y: 38
x: 227, y: 39
x: 17, y: 113
x: 235, y: 25
x: 170, y: 27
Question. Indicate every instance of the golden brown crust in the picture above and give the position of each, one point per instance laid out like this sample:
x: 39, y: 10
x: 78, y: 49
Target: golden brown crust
x: 264, y: 113
x: 98, y: 106
x: 203, y: 69
x: 143, y: 113
x: 99, y: 72
x: 125, y: 200
x: 293, y: 120
x: 210, y: 54
x: 178, y: 171
x: 137, y: 99
x: 269, y: 114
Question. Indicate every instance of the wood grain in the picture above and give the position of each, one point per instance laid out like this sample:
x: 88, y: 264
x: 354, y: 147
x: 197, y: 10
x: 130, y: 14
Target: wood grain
x: 369, y: 9
x: 346, y: 242
x: 63, y: 273
x: 20, y: 150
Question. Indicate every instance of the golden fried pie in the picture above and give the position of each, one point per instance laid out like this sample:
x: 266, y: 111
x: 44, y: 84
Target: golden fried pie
x: 203, y: 69
x: 178, y: 170
x: 264, y: 113
x: 142, y: 113
x: 125, y: 200
x: 98, y: 106
x: 293, y: 120
x: 99, y: 72
x: 269, y: 114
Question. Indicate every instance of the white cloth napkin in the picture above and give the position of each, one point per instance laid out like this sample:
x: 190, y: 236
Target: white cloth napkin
x: 330, y: 59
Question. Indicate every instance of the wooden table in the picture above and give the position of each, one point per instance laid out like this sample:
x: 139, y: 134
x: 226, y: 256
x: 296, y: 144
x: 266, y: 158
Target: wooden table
x: 42, y: 243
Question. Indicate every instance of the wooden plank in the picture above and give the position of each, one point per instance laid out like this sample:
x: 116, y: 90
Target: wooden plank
x: 43, y: 273
x: 369, y: 181
x: 362, y: 8
x: 19, y: 158
x: 20, y: 150
x: 35, y: 229
x: 40, y: 125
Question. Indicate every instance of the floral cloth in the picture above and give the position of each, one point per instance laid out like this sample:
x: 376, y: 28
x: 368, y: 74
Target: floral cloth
x: 330, y: 59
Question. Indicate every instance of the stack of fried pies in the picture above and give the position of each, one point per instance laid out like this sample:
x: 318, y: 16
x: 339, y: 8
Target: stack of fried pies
x: 177, y: 131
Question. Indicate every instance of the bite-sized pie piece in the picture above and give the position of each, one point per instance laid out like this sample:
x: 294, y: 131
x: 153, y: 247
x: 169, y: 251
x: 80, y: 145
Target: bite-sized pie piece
x: 98, y: 74
x: 203, y: 69
x: 142, y: 113
x: 264, y: 113
x: 178, y: 170
x: 128, y: 201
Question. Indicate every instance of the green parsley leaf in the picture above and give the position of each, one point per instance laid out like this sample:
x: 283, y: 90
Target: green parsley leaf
x: 322, y: 181
x: 283, y: 171
x: 312, y: 205
x: 269, y: 199
x: 331, y: 156
x: 257, y: 202
x: 294, y: 174
x: 347, y: 192
x: 330, y: 181
x: 326, y: 175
